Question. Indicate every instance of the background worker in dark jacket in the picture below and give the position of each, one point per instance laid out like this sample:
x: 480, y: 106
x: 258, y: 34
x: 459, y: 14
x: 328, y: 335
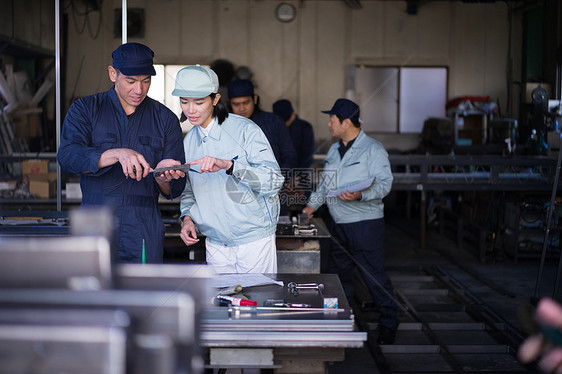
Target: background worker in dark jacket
x: 113, y: 139
x: 301, y: 132
x: 302, y: 135
x: 244, y: 102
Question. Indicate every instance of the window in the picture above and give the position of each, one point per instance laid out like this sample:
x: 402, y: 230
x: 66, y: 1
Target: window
x: 399, y: 99
x: 161, y: 88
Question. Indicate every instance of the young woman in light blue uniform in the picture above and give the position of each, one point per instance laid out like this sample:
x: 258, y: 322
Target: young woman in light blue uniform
x: 231, y: 193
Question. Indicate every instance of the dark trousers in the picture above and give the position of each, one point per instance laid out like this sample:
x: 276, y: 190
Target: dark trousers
x: 364, y: 241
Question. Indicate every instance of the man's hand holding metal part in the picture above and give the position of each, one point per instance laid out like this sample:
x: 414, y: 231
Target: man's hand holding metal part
x: 163, y: 179
x: 113, y: 139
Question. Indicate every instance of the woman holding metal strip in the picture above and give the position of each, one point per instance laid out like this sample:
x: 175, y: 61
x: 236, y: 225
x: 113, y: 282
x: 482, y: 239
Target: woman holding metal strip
x: 231, y: 196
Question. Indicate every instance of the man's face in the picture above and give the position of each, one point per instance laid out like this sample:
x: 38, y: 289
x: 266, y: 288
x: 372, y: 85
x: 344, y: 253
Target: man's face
x: 243, y: 105
x: 336, y: 127
x: 131, y: 90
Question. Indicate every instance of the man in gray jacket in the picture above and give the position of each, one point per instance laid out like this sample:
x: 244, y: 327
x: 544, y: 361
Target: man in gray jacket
x: 355, y: 179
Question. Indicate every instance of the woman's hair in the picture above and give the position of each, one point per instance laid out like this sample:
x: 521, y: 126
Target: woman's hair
x: 220, y: 111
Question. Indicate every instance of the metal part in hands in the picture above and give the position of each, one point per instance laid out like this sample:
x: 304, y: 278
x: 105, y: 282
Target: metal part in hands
x: 183, y: 167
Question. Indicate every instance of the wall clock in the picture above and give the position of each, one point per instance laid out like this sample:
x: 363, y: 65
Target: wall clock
x: 285, y: 12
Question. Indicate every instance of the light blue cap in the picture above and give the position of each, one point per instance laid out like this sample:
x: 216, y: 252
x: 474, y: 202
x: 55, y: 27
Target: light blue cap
x: 196, y: 81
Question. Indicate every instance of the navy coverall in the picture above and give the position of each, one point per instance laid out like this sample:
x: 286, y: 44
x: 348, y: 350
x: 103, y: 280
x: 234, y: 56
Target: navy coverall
x: 276, y: 132
x: 97, y: 123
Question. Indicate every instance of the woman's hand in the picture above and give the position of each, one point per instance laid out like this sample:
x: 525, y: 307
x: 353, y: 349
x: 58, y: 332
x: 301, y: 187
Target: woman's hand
x: 188, y: 233
x: 211, y: 164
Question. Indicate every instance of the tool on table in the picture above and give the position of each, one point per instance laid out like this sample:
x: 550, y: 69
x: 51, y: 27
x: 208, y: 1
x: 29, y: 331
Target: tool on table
x: 283, y: 304
x: 330, y: 302
x: 224, y: 300
x: 295, y: 287
x: 231, y: 290
x: 237, y: 311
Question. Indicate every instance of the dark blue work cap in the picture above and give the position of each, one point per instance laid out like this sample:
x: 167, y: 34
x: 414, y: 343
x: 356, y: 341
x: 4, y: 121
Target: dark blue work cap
x: 133, y: 59
x: 346, y: 109
x: 239, y: 88
x: 283, y: 109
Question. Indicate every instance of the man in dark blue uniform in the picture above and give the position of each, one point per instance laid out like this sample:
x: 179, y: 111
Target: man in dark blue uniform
x: 245, y: 103
x: 113, y: 139
x: 302, y: 135
x: 301, y: 132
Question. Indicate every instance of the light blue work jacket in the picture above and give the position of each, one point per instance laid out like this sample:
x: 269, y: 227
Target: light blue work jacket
x: 365, y: 159
x: 239, y: 208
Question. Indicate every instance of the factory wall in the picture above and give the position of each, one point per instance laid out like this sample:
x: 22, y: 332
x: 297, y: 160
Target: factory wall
x: 304, y: 60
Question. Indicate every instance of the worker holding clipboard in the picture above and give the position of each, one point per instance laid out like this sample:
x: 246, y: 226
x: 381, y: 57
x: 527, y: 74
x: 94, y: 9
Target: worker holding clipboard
x: 355, y: 179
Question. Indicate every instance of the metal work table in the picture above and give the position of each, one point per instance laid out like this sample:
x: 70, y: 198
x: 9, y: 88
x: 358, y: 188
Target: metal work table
x: 40, y: 223
x: 297, y: 252
x: 298, y: 341
x: 470, y: 173
x: 426, y: 173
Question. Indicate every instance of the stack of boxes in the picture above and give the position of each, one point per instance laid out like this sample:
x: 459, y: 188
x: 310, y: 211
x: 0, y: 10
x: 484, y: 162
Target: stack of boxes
x: 41, y: 182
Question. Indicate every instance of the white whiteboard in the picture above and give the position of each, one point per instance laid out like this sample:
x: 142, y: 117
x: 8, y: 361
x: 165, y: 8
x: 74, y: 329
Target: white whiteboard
x: 399, y: 99
x: 423, y: 94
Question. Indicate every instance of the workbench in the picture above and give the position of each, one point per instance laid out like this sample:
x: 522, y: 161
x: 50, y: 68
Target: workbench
x: 290, y: 340
x: 425, y: 173
x: 412, y: 173
x: 299, y: 252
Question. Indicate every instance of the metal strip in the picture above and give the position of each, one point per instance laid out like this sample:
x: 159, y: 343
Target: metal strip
x: 58, y: 99
x: 283, y: 339
x: 124, y: 21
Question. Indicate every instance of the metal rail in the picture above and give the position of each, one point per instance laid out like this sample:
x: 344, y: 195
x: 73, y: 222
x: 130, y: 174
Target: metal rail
x: 472, y: 173
x: 444, y: 329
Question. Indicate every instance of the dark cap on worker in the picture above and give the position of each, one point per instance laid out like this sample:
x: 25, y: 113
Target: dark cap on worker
x: 345, y: 108
x: 283, y: 109
x: 239, y: 88
x: 134, y: 59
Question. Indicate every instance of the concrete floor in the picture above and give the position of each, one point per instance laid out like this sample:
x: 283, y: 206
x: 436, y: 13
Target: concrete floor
x: 507, y: 287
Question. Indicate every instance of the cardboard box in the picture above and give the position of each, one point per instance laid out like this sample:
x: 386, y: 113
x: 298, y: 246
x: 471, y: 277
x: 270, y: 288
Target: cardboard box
x: 43, y: 185
x: 34, y: 167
